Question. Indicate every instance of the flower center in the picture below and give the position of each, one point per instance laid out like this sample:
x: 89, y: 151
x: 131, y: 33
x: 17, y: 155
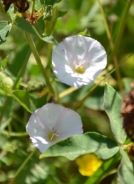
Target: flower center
x: 52, y: 136
x: 80, y: 69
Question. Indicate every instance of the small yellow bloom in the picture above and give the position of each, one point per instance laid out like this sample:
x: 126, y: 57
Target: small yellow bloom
x: 88, y: 164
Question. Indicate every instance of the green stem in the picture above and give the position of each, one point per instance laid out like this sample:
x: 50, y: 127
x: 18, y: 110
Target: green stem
x: 6, y: 103
x: 20, y: 74
x: 78, y: 105
x: 45, y: 37
x: 33, y: 8
x: 111, y: 47
x: 37, y: 58
x: 49, y: 25
x: 22, y: 166
x: 106, y: 26
x: 5, y: 124
x: 14, y: 134
x: 120, y: 29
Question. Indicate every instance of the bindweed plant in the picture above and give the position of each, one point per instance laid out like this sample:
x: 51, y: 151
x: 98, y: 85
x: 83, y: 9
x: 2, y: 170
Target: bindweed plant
x: 66, y: 92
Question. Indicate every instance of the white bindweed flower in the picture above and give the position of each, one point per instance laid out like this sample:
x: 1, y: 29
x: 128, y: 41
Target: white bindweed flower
x: 78, y: 60
x: 52, y: 123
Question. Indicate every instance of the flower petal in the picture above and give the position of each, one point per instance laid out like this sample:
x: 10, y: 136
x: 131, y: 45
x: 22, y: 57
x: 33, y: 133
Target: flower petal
x: 75, y: 51
x: 71, y: 121
x: 52, y: 119
x: 40, y: 143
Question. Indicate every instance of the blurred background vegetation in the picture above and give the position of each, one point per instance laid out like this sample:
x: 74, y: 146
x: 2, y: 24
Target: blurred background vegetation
x: 75, y: 17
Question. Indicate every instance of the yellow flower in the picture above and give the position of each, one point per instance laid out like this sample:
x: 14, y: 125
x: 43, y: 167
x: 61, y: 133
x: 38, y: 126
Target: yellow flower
x: 88, y: 164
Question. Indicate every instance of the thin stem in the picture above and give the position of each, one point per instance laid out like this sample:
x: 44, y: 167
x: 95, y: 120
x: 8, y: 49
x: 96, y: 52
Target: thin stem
x: 37, y: 58
x: 22, y: 166
x: 120, y: 29
x: 50, y: 24
x: 6, y: 103
x: 33, y: 9
x: 21, y: 72
x: 14, y: 134
x: 67, y: 92
x: 85, y: 97
x: 111, y: 47
x: 45, y: 37
x: 106, y: 26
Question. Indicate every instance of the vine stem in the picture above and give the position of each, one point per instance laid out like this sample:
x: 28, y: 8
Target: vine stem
x: 14, y: 134
x: 120, y: 29
x: 21, y: 72
x: 111, y: 47
x: 80, y: 102
x: 33, y: 8
x: 67, y: 92
x: 37, y: 58
x: 22, y: 166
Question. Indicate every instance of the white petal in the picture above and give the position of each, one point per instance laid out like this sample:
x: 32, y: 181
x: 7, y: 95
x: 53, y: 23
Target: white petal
x: 73, y: 51
x: 40, y: 143
x: 68, y: 134
x: 68, y: 120
x: 35, y: 125
x: 52, y: 117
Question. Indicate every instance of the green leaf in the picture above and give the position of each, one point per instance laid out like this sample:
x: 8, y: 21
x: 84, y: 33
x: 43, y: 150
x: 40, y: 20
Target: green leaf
x: 5, y: 88
x: 10, y: 12
x: 5, y: 81
x: 4, y: 31
x: 5, y: 124
x: 4, y: 62
x: 22, y: 52
x: 22, y: 97
x: 95, y: 101
x: 38, y: 102
x: 51, y: 2
x: 112, y: 106
x: 3, y: 24
x: 82, y: 144
x: 61, y: 14
x: 39, y: 4
x: 49, y: 39
x: 26, y: 26
x: 126, y: 169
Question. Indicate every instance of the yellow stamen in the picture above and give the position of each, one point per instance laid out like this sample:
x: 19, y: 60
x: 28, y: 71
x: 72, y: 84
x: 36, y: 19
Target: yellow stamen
x: 52, y: 136
x: 80, y: 69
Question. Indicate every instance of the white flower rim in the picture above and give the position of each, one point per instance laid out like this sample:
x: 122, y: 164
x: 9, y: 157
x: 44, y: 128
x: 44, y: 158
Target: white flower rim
x: 75, y: 52
x: 52, y: 123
